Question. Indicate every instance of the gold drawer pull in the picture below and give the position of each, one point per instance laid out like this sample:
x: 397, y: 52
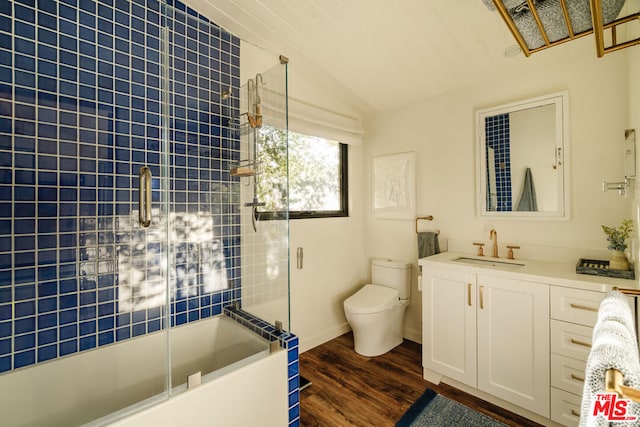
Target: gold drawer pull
x: 575, y: 413
x: 482, y: 297
x: 583, y: 307
x: 577, y: 378
x: 469, y: 294
x: 582, y: 343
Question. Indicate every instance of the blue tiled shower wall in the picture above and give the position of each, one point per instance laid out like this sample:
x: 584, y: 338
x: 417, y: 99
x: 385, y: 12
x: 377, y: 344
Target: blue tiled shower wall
x: 81, y: 111
x: 497, y: 135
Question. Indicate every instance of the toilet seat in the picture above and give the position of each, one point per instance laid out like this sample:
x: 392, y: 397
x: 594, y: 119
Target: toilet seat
x: 372, y: 299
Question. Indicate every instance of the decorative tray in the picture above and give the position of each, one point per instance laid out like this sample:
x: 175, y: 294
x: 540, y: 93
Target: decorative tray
x: 597, y: 267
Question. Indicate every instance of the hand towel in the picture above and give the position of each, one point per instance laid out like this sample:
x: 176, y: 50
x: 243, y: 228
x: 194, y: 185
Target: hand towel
x: 614, y: 346
x: 428, y: 244
x: 528, y: 202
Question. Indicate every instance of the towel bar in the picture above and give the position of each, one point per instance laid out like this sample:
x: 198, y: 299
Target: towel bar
x: 614, y: 384
x: 627, y: 291
x: 426, y: 218
x: 613, y: 378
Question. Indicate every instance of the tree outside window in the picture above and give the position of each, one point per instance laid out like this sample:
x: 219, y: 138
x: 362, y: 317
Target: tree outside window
x: 317, y: 175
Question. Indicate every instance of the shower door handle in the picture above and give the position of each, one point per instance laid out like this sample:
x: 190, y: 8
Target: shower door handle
x: 144, y: 197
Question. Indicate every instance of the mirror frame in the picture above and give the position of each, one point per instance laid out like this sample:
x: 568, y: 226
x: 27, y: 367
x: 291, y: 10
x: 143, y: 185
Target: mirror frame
x: 561, y: 102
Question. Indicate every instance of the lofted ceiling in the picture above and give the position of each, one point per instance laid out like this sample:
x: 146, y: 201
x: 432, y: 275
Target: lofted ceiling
x: 383, y: 53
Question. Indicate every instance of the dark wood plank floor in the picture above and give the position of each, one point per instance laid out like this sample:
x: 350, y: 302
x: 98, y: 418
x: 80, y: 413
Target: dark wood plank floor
x: 352, y: 390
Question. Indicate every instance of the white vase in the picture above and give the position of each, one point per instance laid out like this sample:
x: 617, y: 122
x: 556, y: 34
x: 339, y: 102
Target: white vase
x: 618, y: 261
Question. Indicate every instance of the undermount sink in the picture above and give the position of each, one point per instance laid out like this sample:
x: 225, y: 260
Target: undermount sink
x: 490, y: 263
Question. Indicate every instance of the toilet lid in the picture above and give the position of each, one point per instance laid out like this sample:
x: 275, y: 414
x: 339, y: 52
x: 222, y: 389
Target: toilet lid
x: 371, y: 299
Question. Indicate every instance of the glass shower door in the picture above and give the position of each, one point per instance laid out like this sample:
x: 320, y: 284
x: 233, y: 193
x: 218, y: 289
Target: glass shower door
x: 264, y: 196
x: 82, y: 282
x: 119, y: 215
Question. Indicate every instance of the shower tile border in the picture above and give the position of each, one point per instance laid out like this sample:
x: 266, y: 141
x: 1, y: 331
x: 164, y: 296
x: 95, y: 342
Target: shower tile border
x: 287, y: 341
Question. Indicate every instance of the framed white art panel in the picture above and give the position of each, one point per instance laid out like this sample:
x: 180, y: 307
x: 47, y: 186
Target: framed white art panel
x: 394, y: 186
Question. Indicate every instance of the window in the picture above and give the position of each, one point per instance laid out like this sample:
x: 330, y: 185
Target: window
x: 317, y: 175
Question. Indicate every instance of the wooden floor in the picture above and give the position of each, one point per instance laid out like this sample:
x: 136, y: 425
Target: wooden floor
x: 352, y: 390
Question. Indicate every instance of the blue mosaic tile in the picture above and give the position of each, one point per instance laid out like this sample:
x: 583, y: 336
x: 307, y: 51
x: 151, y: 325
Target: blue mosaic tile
x: 5, y: 363
x: 23, y: 326
x: 24, y: 342
x: 24, y: 358
x: 6, y: 312
x: 139, y: 329
x: 47, y: 337
x: 68, y: 347
x: 5, y: 347
x: 47, y: 320
x: 70, y: 318
x: 84, y: 89
x: 68, y: 332
x: 6, y: 296
x: 497, y: 136
x: 87, y: 343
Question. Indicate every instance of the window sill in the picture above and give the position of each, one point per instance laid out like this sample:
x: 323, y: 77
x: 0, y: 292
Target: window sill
x: 267, y: 216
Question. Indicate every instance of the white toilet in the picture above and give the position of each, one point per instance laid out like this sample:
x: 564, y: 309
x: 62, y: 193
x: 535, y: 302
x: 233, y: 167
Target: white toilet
x: 376, y: 311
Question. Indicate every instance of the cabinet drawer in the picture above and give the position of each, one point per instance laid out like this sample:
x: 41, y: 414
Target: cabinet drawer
x: 569, y: 339
x: 567, y: 374
x: 565, y: 407
x: 575, y: 305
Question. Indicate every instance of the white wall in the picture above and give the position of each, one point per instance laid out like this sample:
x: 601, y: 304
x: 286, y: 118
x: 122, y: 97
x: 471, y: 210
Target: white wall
x: 334, y: 266
x: 441, y: 132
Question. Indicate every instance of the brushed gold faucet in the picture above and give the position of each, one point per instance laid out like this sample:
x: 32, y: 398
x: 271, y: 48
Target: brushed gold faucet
x: 493, y: 234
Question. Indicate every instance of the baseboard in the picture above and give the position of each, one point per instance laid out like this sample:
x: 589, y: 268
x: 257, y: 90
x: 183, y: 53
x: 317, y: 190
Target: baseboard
x: 432, y: 376
x: 307, y: 343
x: 413, y: 335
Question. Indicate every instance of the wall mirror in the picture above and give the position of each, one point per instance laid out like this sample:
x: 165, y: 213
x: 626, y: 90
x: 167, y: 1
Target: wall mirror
x: 522, y: 152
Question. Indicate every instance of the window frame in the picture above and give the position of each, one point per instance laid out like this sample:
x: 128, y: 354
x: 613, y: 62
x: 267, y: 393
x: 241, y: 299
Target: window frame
x: 344, y: 197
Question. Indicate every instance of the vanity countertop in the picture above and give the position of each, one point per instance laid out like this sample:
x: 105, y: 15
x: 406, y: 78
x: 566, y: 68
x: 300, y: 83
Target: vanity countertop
x: 553, y: 273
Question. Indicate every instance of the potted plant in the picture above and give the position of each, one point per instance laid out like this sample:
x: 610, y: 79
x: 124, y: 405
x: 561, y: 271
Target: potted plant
x: 617, y: 238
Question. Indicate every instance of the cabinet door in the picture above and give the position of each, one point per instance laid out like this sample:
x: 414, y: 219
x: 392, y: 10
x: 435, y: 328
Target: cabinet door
x: 513, y: 341
x: 449, y: 324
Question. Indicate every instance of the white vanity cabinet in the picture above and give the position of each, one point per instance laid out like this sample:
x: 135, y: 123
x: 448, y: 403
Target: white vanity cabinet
x: 513, y: 341
x: 488, y: 332
x: 517, y: 330
x: 573, y: 315
x: 449, y: 324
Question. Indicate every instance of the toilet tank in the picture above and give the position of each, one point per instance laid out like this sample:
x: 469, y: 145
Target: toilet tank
x: 392, y: 274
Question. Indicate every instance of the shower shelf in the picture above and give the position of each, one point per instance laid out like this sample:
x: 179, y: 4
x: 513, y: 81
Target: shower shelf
x: 245, y: 168
x: 246, y: 125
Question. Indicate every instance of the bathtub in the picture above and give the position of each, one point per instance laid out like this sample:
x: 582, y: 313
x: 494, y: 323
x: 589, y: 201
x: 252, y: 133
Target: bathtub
x: 109, y: 384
